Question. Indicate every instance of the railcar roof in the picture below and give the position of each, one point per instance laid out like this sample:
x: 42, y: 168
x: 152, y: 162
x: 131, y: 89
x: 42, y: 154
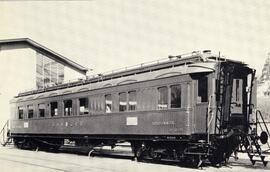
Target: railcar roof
x: 196, y: 62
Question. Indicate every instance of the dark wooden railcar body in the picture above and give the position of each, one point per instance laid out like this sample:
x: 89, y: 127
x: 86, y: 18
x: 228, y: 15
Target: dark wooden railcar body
x: 193, y: 104
x: 146, y: 119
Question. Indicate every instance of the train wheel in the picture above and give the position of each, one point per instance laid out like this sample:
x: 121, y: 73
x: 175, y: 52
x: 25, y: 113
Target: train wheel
x: 216, y: 159
x: 195, y: 161
x: 153, y: 154
x: 18, y: 144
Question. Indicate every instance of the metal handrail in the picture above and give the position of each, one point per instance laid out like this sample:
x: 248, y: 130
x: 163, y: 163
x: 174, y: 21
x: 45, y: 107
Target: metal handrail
x: 3, y: 135
x: 209, y: 113
x: 81, y: 81
x: 263, y: 122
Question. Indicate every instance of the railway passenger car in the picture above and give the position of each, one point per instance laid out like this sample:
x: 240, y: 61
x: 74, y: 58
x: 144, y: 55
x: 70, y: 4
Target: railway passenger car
x: 190, y: 107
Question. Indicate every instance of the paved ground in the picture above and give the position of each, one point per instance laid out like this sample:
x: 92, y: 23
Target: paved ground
x: 15, y: 160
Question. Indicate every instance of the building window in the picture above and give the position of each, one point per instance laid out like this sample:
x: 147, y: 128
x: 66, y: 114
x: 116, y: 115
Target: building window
x: 202, y: 89
x: 108, y: 103
x: 41, y: 110
x: 132, y: 100
x: 48, y: 71
x: 122, y: 102
x: 84, y: 109
x: 20, y: 110
x: 175, y: 96
x: 67, y: 107
x: 54, y: 109
x: 30, y: 111
x: 162, y: 98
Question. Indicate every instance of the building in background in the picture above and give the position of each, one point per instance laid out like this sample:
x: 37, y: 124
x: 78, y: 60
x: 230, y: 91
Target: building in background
x: 265, y: 71
x: 48, y: 72
x: 27, y: 65
x: 263, y: 89
x: 49, y: 66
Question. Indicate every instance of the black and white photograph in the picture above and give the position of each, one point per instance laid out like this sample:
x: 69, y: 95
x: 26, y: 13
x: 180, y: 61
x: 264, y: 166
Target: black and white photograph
x: 134, y: 85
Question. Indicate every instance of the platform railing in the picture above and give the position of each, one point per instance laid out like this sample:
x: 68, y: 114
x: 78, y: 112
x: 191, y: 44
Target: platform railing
x: 262, y: 125
x: 5, y: 134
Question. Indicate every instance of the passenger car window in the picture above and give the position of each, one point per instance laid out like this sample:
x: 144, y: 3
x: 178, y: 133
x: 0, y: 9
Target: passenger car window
x: 30, y: 111
x: 54, y: 108
x: 108, y: 103
x: 162, y: 98
x: 20, y: 111
x: 175, y: 96
x: 132, y: 100
x: 41, y: 110
x: 122, y: 102
x: 67, y: 107
x: 202, y: 90
x: 84, y: 103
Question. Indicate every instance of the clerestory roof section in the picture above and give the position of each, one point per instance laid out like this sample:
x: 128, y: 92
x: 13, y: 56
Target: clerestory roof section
x: 29, y: 43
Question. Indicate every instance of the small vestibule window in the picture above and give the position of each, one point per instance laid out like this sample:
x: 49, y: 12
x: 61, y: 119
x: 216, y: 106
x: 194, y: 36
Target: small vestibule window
x: 202, y: 90
x: 175, y: 96
x: 20, y: 111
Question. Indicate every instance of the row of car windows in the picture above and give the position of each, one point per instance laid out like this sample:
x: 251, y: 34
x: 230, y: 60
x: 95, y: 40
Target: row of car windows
x: 127, y: 101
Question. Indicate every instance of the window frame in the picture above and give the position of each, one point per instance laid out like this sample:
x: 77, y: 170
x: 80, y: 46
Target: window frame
x: 20, y: 115
x: 86, y: 108
x: 30, y: 110
x: 202, y: 98
x: 57, y: 107
x: 111, y: 108
x: 38, y: 106
x: 128, y: 100
x: 159, y: 105
x: 70, y: 111
x: 170, y: 93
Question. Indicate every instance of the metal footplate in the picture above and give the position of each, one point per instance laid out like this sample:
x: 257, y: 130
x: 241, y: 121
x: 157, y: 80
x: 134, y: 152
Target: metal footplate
x: 253, y: 149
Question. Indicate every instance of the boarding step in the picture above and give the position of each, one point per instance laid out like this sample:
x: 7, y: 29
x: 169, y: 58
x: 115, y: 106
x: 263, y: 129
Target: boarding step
x: 253, y: 149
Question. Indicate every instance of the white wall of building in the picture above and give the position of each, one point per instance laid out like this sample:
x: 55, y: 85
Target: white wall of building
x: 17, y: 73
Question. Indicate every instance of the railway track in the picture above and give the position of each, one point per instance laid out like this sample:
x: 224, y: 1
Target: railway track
x: 72, y: 160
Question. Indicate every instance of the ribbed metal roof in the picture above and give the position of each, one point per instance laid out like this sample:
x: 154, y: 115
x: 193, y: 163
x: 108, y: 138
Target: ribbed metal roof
x: 28, y: 43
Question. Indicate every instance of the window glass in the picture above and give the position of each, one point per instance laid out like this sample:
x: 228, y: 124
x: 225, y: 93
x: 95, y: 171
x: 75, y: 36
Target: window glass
x: 54, y: 109
x: 162, y: 98
x: 84, y: 109
x: 30, y: 111
x: 122, y: 102
x: 175, y: 96
x: 67, y: 107
x: 20, y: 110
x: 202, y: 90
x: 41, y: 110
x: 132, y: 100
x: 108, y: 103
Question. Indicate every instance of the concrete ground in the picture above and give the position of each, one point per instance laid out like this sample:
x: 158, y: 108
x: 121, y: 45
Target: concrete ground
x: 15, y: 160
